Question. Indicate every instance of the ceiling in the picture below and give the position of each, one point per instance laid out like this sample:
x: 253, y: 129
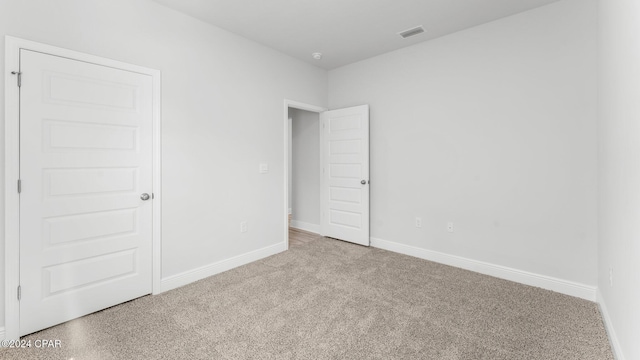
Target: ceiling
x: 345, y: 31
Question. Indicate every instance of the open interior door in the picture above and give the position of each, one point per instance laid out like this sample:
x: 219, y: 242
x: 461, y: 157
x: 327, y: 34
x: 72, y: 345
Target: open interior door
x: 345, y: 174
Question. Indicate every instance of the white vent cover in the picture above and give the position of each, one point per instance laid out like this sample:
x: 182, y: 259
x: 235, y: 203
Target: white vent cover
x: 411, y: 32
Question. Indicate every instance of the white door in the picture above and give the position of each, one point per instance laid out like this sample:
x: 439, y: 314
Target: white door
x: 85, y: 161
x: 345, y: 174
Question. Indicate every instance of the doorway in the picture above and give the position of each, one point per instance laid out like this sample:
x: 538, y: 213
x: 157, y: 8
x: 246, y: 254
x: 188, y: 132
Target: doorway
x: 343, y: 171
x: 302, y: 172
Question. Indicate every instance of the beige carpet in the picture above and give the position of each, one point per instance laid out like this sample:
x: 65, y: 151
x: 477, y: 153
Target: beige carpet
x: 332, y: 300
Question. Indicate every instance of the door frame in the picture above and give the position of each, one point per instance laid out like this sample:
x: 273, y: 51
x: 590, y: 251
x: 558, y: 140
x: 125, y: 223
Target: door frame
x: 301, y: 106
x: 12, y: 168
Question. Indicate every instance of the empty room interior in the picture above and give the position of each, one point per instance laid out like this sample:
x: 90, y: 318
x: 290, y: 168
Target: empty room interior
x: 407, y: 179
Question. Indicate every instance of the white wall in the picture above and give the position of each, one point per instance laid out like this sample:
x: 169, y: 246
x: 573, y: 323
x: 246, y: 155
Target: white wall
x: 493, y: 128
x: 305, y: 169
x: 222, y: 110
x: 619, y: 172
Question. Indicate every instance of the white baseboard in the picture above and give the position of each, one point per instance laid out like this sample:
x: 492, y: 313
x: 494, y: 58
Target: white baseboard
x: 2, y: 333
x: 190, y: 276
x: 613, y: 338
x: 305, y: 226
x: 546, y: 282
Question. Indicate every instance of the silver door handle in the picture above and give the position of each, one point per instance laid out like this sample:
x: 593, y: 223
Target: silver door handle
x: 363, y: 182
x: 145, y: 197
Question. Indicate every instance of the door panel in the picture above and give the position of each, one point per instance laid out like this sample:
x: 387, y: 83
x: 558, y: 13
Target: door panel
x: 345, y: 154
x: 85, y: 159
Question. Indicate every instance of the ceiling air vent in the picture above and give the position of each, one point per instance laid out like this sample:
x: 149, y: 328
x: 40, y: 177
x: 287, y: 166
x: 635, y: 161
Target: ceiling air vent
x: 411, y: 32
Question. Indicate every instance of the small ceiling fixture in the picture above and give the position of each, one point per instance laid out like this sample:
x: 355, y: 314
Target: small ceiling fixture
x: 411, y: 32
x: 317, y: 55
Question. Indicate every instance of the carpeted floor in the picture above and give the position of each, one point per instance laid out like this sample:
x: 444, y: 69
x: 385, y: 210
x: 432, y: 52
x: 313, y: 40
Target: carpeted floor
x: 329, y: 299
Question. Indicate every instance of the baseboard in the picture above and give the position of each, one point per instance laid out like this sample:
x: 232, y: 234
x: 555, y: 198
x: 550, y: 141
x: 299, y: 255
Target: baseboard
x: 190, y: 276
x: 613, y: 338
x: 2, y: 333
x: 546, y: 282
x: 305, y: 226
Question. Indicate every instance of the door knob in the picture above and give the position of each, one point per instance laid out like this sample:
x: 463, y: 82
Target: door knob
x: 145, y: 196
x: 363, y: 182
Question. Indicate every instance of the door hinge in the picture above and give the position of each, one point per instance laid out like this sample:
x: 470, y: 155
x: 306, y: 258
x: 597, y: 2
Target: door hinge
x: 19, y: 74
x: 19, y: 292
x: 19, y: 186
